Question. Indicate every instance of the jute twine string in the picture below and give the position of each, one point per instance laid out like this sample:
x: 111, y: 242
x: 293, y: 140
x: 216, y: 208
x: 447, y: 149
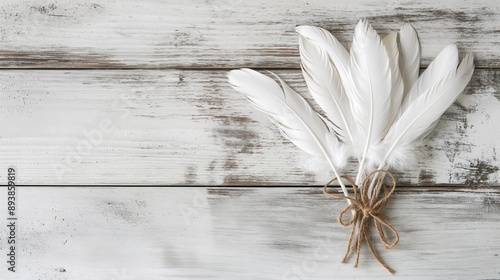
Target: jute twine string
x: 366, y: 209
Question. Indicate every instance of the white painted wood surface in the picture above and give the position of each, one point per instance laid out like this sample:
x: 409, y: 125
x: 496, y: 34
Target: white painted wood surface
x: 178, y: 127
x: 149, y: 76
x: 245, y: 233
x: 223, y: 33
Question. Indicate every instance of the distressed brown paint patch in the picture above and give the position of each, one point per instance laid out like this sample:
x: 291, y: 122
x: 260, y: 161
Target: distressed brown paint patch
x: 245, y: 180
x: 228, y: 192
x: 277, y: 51
x: 426, y: 177
x: 228, y: 120
x: 230, y: 164
x: 477, y: 173
x: 190, y: 175
x: 69, y: 58
x: 119, y: 209
x: 212, y: 165
x: 288, y: 245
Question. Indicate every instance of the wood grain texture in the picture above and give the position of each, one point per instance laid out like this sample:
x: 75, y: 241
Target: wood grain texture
x: 190, y: 128
x: 144, y: 101
x: 223, y: 33
x: 245, y: 233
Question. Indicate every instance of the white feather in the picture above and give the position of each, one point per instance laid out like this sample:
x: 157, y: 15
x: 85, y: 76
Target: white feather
x: 293, y: 115
x: 442, y: 65
x: 326, y: 88
x: 409, y: 62
x: 371, y: 96
x: 328, y: 43
x: 424, y: 113
x: 391, y: 45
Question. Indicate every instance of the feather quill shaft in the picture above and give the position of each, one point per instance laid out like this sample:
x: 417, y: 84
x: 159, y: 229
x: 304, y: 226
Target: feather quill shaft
x: 370, y: 72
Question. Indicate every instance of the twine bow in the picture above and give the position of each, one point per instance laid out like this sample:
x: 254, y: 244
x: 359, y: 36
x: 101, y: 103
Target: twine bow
x: 366, y: 209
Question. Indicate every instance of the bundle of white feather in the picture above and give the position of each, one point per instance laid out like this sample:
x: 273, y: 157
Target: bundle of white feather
x: 379, y: 109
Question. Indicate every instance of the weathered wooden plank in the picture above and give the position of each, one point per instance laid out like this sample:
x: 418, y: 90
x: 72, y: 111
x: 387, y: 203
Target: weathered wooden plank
x: 190, y: 128
x: 223, y: 33
x: 244, y: 233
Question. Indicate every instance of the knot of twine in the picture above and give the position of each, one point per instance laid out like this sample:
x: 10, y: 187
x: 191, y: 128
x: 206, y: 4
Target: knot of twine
x: 364, y: 210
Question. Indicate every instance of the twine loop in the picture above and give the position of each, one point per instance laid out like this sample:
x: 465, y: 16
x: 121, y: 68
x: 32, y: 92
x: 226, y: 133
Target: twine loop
x: 365, y: 209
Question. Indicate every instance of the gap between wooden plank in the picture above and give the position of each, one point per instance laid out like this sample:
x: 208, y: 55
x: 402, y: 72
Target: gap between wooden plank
x: 399, y: 189
x: 146, y: 68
